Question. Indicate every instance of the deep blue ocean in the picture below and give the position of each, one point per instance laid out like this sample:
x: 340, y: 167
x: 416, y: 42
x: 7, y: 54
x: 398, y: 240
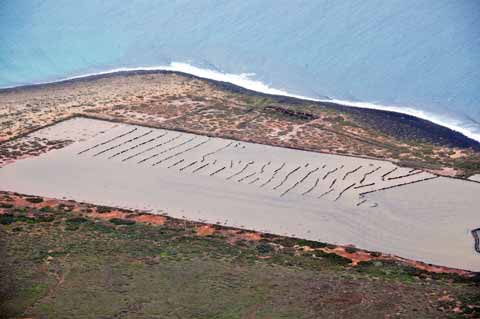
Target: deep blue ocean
x: 420, y: 57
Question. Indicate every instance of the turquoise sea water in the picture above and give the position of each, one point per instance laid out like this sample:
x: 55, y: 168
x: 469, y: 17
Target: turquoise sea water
x: 423, y: 57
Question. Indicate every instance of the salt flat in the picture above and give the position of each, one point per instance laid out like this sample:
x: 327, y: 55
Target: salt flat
x: 475, y: 178
x: 372, y: 204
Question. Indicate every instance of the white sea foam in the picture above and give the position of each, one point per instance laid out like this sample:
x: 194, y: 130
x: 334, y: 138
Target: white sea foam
x: 247, y: 81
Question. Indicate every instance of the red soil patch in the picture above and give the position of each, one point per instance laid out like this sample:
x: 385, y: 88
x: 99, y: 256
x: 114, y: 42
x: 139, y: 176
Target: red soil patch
x: 109, y: 215
x: 235, y: 235
x: 47, y: 203
x: 432, y: 268
x: 205, y: 230
x: 252, y: 236
x: 361, y: 255
x: 355, y: 257
x: 149, y: 219
x: 20, y: 202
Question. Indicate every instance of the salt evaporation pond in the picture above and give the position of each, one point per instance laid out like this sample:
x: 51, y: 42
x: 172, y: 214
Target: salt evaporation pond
x: 371, y: 204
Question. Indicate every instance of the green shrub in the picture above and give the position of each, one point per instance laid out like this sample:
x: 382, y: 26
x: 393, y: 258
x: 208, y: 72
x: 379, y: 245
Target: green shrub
x: 351, y: 250
x: 71, y: 227
x: 311, y: 243
x: 45, y: 218
x: 6, y: 219
x: 76, y: 220
x: 103, y: 209
x: 121, y: 221
x: 467, y: 165
x: 6, y: 205
x: 102, y: 227
x: 334, y: 258
x: 34, y: 200
x: 264, y: 248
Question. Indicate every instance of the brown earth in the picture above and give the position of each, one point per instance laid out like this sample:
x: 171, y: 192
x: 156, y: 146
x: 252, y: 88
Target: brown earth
x: 179, y: 102
x: 231, y: 235
x: 66, y: 259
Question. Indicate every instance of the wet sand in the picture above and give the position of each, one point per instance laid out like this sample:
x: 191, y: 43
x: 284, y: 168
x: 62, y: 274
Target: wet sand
x: 372, y: 204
